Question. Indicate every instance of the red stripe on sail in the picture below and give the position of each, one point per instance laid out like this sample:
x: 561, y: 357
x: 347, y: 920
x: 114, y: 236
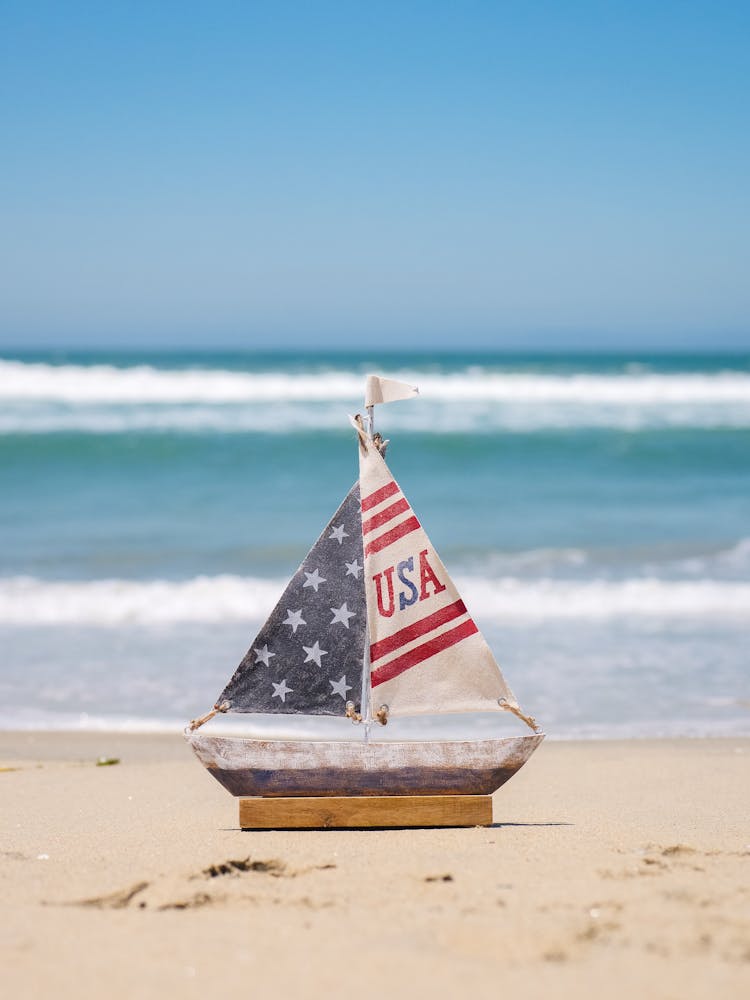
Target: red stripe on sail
x: 415, y: 631
x: 389, y: 537
x: 383, y: 516
x: 390, y: 670
x: 379, y: 496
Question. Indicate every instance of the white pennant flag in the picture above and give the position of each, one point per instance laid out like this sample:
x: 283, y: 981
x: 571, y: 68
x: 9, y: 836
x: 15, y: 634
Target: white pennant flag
x: 387, y: 390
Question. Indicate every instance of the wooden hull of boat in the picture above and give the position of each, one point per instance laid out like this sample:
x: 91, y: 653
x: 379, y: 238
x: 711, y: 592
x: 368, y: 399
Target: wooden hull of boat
x: 254, y: 767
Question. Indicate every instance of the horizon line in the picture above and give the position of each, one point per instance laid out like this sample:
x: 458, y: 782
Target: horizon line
x: 357, y: 351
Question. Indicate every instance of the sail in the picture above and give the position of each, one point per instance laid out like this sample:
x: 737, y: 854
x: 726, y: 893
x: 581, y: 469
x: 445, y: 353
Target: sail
x: 308, y: 657
x: 426, y: 653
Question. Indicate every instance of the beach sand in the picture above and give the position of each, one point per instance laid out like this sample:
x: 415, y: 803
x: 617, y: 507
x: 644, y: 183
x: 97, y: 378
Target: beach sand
x: 620, y: 869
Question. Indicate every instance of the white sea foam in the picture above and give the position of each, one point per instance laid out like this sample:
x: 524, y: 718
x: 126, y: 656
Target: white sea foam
x: 31, y: 601
x: 28, y: 600
x: 32, y: 718
x: 738, y: 556
x: 726, y: 563
x: 40, y: 398
x: 21, y: 719
x: 81, y: 384
x: 668, y: 560
x: 650, y: 597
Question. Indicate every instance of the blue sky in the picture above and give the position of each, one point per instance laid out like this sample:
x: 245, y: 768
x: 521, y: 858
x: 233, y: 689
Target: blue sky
x: 499, y: 174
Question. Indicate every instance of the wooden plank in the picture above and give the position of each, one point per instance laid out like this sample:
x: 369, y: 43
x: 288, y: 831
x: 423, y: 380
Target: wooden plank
x: 357, y: 812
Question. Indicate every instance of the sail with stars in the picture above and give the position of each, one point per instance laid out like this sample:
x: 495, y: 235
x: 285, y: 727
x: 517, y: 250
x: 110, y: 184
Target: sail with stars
x: 308, y: 657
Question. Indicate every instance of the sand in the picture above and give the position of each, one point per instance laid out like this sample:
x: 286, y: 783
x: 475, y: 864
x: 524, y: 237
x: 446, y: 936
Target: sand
x: 620, y: 869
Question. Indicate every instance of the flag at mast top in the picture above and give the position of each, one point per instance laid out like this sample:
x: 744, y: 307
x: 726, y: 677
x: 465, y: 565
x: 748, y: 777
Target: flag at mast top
x: 387, y: 390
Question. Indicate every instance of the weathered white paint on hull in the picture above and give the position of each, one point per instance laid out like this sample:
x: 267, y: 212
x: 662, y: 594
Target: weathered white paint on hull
x: 249, y: 767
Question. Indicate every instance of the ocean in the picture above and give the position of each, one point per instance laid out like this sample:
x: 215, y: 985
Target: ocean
x: 593, y: 510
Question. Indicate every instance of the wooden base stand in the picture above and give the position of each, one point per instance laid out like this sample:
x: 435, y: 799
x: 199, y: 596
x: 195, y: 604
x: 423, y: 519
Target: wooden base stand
x: 357, y: 812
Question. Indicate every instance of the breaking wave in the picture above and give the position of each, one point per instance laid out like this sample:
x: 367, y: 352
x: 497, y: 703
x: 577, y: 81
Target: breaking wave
x: 114, y: 602
x: 41, y: 398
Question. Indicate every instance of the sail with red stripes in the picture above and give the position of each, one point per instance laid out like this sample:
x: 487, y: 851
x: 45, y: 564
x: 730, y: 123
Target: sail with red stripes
x: 426, y: 653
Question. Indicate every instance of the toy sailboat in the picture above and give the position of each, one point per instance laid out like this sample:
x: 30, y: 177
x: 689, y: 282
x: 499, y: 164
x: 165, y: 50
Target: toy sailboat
x: 370, y: 627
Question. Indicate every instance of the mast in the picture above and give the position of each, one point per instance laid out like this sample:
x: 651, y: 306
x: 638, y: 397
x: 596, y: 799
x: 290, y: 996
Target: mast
x: 365, y: 707
x: 366, y: 698
x: 377, y: 390
x: 366, y: 679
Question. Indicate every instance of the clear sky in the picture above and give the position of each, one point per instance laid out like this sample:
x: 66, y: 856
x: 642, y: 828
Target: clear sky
x: 406, y: 173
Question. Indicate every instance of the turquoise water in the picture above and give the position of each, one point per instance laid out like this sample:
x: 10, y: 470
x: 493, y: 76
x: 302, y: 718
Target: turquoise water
x: 595, y: 511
